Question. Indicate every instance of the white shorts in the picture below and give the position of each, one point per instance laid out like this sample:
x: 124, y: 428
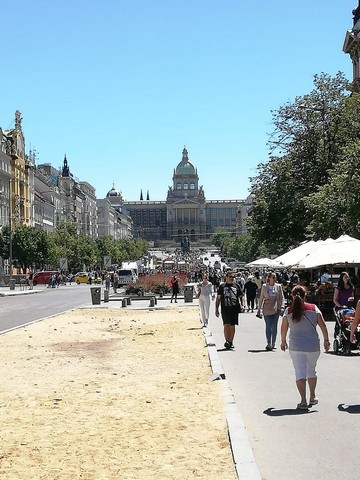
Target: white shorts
x: 304, y: 364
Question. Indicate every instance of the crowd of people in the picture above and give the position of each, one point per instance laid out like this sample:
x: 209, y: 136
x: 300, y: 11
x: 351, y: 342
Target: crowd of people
x: 284, y: 295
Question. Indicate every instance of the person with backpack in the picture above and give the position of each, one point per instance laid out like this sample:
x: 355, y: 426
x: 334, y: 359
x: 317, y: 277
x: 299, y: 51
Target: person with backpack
x: 229, y: 296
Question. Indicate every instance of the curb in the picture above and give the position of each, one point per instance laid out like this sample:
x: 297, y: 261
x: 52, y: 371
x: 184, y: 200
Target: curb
x: 243, y: 456
x: 14, y: 293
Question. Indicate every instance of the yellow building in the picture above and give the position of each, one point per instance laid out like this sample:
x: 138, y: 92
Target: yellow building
x: 21, y: 175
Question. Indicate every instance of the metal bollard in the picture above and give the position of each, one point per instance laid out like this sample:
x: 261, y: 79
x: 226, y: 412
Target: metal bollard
x: 128, y: 300
x: 124, y: 302
x: 155, y: 300
x: 106, y: 295
x: 152, y: 302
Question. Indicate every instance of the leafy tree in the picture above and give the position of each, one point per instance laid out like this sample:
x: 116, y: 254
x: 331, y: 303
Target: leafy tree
x: 334, y: 207
x: 308, y: 139
x: 222, y: 239
x: 41, y: 249
x: 88, y: 252
x: 64, y: 243
x: 24, y: 246
x: 133, y: 248
x: 245, y: 249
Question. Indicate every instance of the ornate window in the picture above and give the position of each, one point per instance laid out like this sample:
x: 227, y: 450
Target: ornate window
x: 178, y: 186
x: 186, y: 186
x: 192, y: 185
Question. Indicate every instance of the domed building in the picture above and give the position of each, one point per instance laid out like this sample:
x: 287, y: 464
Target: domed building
x: 185, y: 212
x: 113, y: 218
x: 186, y: 218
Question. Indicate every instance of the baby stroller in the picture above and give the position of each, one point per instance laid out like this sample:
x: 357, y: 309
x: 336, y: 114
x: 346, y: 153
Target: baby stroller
x: 343, y: 320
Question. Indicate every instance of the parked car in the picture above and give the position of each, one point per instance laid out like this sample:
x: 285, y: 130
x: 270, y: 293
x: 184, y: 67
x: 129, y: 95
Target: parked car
x: 82, y: 277
x: 43, y: 278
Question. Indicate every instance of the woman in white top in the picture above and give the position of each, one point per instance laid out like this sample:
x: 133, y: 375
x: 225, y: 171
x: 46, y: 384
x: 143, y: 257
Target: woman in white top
x: 304, y: 343
x: 204, y: 294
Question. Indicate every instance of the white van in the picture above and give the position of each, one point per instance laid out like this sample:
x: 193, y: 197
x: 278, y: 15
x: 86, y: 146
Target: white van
x: 126, y: 276
x: 131, y: 266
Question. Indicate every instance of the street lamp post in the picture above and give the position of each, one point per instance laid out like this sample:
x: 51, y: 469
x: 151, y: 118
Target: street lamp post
x: 11, y: 253
x: 11, y: 280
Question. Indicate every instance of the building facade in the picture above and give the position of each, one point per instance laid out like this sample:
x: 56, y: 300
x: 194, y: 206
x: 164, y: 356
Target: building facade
x: 186, y: 217
x: 113, y: 218
x: 352, y: 47
x: 45, y: 198
x: 21, y: 176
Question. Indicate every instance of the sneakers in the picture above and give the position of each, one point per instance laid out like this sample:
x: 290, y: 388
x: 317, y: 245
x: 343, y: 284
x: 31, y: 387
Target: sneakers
x: 268, y: 347
x: 228, y: 345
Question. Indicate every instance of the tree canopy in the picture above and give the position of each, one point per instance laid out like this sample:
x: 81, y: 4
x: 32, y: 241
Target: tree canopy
x: 303, y: 192
x: 32, y: 247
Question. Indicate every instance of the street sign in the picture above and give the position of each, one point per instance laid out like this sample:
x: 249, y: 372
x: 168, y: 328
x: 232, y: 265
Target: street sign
x: 107, y: 262
x: 63, y: 264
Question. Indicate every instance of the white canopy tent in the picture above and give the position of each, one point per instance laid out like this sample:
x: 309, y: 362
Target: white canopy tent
x: 293, y: 256
x: 262, y: 262
x: 344, y: 250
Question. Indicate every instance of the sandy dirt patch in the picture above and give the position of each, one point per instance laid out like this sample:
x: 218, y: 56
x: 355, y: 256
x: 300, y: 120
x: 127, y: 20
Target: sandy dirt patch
x: 111, y: 394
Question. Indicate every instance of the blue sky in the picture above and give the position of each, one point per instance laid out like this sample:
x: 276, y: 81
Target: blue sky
x: 121, y: 86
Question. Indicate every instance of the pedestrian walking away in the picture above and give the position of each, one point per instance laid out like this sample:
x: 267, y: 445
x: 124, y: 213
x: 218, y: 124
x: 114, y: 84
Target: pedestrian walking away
x: 31, y: 281
x: 250, y: 289
x: 273, y: 303
x: 204, y: 294
x: 107, y: 281
x: 174, y: 284
x: 229, y: 296
x: 258, y: 282
x: 115, y: 282
x: 304, y: 343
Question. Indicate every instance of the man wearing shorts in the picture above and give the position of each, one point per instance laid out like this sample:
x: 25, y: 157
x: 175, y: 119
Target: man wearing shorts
x: 229, y: 295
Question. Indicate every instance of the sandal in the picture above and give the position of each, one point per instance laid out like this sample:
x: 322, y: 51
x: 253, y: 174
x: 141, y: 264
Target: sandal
x: 313, y: 402
x: 301, y: 406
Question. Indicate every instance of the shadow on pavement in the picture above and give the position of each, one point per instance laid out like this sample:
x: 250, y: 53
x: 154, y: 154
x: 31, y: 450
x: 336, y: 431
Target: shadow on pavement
x: 351, y: 354
x: 342, y: 407
x: 260, y: 351
x: 272, y: 412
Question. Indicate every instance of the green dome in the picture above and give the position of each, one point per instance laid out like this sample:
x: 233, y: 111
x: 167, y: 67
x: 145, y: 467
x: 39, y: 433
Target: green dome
x: 185, y: 167
x: 114, y: 193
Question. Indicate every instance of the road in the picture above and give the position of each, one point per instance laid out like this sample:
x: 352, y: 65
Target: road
x: 22, y: 309
x: 287, y: 444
